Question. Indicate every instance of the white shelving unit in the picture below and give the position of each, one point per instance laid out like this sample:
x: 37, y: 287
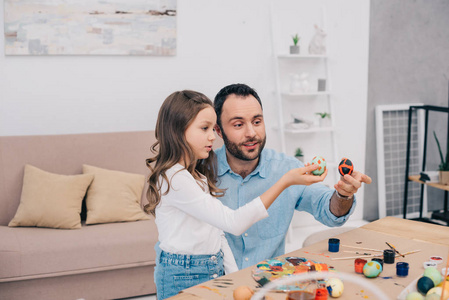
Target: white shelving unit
x: 315, y: 140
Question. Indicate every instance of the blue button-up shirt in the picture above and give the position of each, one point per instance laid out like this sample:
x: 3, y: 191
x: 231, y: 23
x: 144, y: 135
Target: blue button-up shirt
x: 266, y: 238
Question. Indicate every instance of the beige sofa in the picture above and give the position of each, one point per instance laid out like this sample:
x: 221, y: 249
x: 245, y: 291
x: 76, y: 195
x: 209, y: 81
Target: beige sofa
x: 103, y: 261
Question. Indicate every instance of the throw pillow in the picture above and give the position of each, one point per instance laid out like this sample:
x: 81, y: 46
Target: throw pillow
x: 114, y: 196
x: 51, y: 200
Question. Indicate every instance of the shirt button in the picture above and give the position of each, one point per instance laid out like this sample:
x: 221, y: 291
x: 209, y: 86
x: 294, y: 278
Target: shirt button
x: 215, y: 275
x: 246, y: 234
x: 213, y: 257
x: 246, y: 258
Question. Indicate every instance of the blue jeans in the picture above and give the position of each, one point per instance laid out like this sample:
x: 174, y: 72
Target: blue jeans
x: 175, y: 272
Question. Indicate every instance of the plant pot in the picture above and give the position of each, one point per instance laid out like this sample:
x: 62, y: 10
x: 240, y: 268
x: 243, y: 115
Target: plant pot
x: 325, y: 122
x: 444, y: 177
x: 300, y: 158
x: 294, y: 49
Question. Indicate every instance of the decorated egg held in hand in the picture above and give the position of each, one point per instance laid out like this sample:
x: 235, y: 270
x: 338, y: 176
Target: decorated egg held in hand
x: 321, y: 162
x: 345, y: 167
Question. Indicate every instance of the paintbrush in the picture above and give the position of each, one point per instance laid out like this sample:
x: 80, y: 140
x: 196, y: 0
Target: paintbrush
x: 357, y: 252
x: 407, y: 253
x: 372, y: 255
x: 394, y: 249
x: 361, y: 248
x: 444, y: 278
x: 361, y: 256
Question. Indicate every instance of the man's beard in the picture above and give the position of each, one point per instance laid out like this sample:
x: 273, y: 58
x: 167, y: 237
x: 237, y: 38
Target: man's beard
x: 235, y: 151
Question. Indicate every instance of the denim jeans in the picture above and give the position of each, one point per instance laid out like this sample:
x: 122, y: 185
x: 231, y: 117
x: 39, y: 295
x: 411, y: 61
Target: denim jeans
x: 175, y: 272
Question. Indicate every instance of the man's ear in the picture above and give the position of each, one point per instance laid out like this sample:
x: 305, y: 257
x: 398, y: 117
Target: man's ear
x: 218, y: 130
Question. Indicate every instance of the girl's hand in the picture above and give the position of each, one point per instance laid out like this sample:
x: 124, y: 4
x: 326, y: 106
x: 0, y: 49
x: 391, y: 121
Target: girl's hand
x: 304, y: 176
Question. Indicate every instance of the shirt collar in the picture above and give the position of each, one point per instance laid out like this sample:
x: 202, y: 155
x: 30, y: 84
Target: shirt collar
x: 223, y: 165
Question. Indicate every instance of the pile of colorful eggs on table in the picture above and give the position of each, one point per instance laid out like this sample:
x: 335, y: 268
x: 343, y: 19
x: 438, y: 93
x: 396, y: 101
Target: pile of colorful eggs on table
x: 431, y: 286
x: 333, y: 287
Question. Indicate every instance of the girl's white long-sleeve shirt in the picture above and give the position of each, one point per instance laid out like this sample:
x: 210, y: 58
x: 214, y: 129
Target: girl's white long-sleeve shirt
x: 191, y: 221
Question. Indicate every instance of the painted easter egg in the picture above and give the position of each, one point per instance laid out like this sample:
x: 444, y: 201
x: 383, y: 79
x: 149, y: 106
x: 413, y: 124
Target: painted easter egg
x: 372, y: 269
x: 424, y: 284
x: 433, y: 274
x: 345, y: 167
x: 433, y: 297
x: 414, y: 296
x: 335, y: 287
x: 321, y: 162
x: 243, y: 293
x: 437, y: 291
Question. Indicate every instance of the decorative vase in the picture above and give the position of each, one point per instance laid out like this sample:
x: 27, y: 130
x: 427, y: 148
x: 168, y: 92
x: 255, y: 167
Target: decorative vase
x: 444, y: 177
x: 295, y: 84
x: 294, y: 49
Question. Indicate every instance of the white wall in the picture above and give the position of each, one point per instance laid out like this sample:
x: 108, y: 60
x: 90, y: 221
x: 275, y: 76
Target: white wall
x: 219, y: 42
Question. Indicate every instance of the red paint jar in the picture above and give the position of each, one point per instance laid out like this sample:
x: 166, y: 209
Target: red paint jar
x: 359, y: 263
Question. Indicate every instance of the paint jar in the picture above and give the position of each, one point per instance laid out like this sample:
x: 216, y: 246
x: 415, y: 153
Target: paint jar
x: 334, y: 245
x: 402, y: 269
x: 389, y: 256
x: 436, y: 259
x: 428, y: 264
x: 300, y: 295
x: 379, y: 260
x: 321, y: 294
x: 359, y: 263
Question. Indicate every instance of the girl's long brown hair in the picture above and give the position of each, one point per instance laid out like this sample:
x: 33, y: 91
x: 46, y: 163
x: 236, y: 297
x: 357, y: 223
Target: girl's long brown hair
x: 175, y: 115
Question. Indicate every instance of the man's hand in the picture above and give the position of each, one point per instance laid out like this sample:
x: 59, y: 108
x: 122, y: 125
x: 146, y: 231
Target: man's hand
x: 349, y: 184
x: 347, y: 187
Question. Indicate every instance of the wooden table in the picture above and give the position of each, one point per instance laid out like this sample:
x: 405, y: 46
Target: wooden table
x: 405, y: 235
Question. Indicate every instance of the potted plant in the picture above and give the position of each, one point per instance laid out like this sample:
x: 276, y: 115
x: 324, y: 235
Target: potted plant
x: 324, y: 118
x: 444, y: 166
x: 294, y: 49
x: 299, y: 154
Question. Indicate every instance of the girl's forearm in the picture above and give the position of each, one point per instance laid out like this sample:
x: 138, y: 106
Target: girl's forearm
x: 274, y: 191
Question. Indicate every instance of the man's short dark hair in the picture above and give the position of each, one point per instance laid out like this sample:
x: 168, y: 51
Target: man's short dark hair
x: 238, y: 89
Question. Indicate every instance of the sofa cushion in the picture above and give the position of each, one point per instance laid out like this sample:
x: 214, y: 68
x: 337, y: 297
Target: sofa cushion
x: 51, y: 200
x: 28, y: 253
x: 114, y: 196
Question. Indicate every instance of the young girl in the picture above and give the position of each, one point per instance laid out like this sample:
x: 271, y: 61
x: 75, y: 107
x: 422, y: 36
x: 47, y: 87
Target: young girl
x: 183, y: 195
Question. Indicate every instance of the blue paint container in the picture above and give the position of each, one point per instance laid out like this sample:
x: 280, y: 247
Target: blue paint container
x: 402, y: 269
x: 334, y: 245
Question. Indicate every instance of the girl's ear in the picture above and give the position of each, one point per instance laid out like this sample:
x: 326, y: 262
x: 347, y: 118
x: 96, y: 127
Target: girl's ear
x: 217, y: 130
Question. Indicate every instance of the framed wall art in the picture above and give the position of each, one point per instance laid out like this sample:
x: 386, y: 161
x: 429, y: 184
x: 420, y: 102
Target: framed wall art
x: 90, y: 27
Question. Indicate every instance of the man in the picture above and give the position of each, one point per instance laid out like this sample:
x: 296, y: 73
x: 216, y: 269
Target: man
x: 246, y: 170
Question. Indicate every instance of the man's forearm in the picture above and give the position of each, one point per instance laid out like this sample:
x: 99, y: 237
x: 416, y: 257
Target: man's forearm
x: 340, y: 205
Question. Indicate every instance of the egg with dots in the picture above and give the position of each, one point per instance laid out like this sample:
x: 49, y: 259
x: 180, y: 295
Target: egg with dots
x: 372, y: 269
x: 345, y: 167
x: 321, y: 162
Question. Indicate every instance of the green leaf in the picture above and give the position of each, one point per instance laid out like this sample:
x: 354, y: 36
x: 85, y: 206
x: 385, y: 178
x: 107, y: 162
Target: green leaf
x: 444, y: 166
